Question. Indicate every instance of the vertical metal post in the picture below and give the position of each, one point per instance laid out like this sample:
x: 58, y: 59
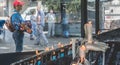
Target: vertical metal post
x: 73, y: 50
x: 83, y: 16
x: 63, y: 18
x: 104, y: 15
x: 63, y: 10
x: 97, y: 28
x: 103, y: 58
x: 10, y: 6
x: 101, y: 15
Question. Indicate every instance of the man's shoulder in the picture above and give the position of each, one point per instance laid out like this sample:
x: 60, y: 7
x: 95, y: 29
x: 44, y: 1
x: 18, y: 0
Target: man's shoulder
x: 14, y: 14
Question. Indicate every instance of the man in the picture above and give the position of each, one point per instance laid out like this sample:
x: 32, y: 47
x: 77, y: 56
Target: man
x: 51, y: 19
x: 65, y: 26
x: 40, y: 26
x: 39, y: 33
x: 16, y: 21
x: 42, y: 16
x: 34, y: 23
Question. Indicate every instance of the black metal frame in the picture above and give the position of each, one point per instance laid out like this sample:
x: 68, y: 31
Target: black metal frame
x: 46, y: 57
x: 59, y: 58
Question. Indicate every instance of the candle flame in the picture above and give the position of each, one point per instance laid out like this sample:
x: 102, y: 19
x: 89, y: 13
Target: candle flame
x: 98, y: 32
x: 83, y: 47
x: 53, y: 52
x: 73, y: 64
x: 62, y: 45
x: 52, y: 48
x: 59, y: 44
x: 62, y: 50
x: 47, y: 49
x: 37, y: 53
x: 70, y: 42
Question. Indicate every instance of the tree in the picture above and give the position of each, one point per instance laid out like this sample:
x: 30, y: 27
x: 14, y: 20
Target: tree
x: 71, y: 5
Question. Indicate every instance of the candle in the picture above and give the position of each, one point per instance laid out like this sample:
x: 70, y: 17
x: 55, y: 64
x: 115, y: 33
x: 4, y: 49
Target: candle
x: 62, y: 50
x: 98, y: 32
x: 83, y: 47
x: 62, y: 45
x: 53, y: 52
x: 59, y: 44
x: 52, y: 48
x: 47, y: 49
x: 73, y: 64
x: 70, y: 41
x: 37, y: 53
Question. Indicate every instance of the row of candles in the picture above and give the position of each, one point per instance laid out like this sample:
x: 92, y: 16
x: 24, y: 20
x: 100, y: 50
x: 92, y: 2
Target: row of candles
x: 59, y: 45
x: 54, y: 53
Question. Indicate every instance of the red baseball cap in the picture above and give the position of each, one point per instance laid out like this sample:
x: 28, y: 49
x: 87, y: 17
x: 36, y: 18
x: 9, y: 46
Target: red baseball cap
x: 18, y: 2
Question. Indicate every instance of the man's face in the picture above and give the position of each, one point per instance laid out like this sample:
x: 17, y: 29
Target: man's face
x: 38, y: 8
x: 19, y: 7
x: 51, y: 11
x: 89, y: 22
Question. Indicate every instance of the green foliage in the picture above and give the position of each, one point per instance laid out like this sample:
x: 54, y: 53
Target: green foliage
x: 71, y: 5
x: 73, y: 8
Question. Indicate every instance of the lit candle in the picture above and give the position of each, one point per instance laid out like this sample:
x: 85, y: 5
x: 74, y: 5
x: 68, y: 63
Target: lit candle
x: 62, y: 50
x: 59, y: 44
x: 89, y: 31
x: 47, y: 49
x: 52, y: 48
x: 38, y: 58
x: 70, y: 42
x: 37, y: 53
x: 83, y: 47
x: 73, y: 64
x: 53, y: 52
x: 98, y: 32
x: 62, y: 45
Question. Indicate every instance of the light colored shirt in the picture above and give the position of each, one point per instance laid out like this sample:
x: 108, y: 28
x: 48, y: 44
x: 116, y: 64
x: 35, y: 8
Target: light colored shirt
x: 50, y: 18
x: 42, y: 16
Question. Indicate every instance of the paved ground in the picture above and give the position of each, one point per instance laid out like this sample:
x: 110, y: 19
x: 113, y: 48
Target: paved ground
x: 8, y: 45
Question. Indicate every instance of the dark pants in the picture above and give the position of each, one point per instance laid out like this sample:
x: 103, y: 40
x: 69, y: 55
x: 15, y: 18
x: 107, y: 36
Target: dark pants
x: 65, y: 28
x: 18, y: 38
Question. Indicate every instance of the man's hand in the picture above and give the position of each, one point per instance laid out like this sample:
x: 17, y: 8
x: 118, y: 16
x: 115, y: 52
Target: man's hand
x: 22, y: 27
x: 25, y: 28
x: 29, y: 31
